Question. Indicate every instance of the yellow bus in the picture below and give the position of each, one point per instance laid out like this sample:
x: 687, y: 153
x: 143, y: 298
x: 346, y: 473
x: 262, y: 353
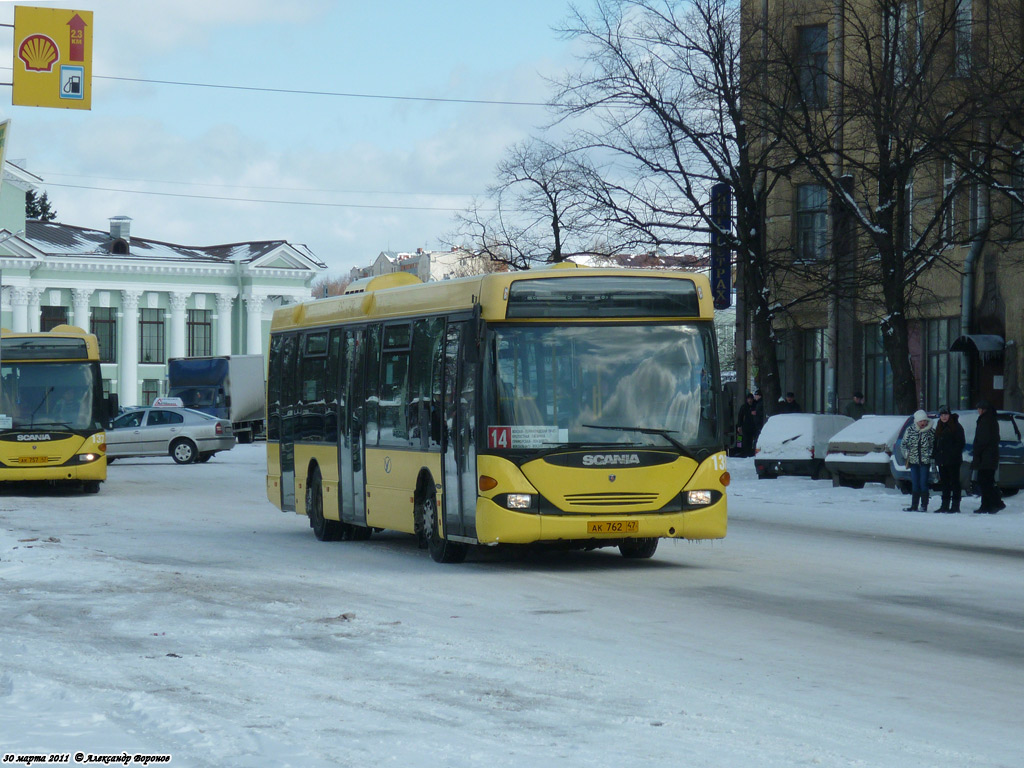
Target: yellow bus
x: 52, y: 408
x: 569, y: 407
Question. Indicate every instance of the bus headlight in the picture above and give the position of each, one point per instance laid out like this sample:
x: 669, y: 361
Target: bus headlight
x: 518, y: 500
x: 698, y: 498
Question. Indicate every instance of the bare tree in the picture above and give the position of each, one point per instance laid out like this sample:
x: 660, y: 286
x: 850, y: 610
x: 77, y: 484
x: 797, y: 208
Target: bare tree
x: 534, y: 214
x: 892, y: 110
x: 329, y: 285
x: 662, y: 79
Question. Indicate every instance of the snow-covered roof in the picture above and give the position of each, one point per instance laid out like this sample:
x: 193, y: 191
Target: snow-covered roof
x: 58, y: 240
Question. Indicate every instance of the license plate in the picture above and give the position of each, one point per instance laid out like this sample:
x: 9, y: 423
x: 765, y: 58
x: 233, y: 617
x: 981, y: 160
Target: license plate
x: 33, y: 460
x: 614, y: 526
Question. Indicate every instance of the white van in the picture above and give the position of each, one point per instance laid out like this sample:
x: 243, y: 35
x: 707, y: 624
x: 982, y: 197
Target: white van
x: 796, y: 444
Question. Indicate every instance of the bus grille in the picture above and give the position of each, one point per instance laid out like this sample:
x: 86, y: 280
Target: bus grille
x: 610, y: 499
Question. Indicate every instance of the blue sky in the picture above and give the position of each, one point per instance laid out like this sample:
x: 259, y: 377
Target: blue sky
x: 253, y: 144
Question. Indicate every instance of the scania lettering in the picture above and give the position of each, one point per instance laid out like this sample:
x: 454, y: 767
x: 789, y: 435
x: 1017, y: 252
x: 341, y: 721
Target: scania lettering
x: 489, y: 410
x: 604, y: 461
x: 52, y: 409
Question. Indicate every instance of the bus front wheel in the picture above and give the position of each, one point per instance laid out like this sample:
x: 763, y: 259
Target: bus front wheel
x: 441, y: 550
x: 638, y: 549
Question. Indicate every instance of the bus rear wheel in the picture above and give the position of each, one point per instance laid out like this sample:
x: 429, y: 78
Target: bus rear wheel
x: 638, y: 549
x: 441, y: 550
x: 323, y: 529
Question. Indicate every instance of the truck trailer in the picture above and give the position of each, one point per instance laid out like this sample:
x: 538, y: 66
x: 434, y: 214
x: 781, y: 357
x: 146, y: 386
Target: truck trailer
x: 225, y: 386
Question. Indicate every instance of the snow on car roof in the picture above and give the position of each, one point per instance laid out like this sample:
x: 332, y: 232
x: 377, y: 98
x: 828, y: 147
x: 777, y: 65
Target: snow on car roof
x: 878, y: 432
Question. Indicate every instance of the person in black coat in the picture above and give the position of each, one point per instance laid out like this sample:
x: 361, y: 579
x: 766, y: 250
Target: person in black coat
x: 749, y: 425
x: 948, y: 456
x: 986, y: 458
x: 789, y: 405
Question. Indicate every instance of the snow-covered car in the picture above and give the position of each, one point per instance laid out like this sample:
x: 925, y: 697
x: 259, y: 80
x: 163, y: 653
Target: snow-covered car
x: 185, y: 435
x: 796, y: 444
x: 861, y: 452
x: 1009, y: 476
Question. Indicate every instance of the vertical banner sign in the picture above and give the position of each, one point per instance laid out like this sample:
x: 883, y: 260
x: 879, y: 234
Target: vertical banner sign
x: 52, y: 58
x: 721, y: 262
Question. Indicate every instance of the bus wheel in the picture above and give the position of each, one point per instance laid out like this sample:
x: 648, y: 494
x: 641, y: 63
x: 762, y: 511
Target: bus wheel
x: 441, y: 550
x: 183, y: 451
x: 91, y: 486
x: 323, y: 529
x: 638, y: 549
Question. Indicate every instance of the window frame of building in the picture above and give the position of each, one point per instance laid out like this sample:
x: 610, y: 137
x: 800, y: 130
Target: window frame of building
x: 1017, y: 185
x: 105, y: 330
x: 199, y: 332
x: 150, y: 391
x: 878, y: 382
x: 812, y: 65
x: 941, y: 367
x: 810, y: 222
x: 815, y: 362
x: 151, y: 336
x: 963, y: 28
x: 52, y: 315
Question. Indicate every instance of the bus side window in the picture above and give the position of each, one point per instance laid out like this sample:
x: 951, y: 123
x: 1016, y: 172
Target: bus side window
x: 370, y: 408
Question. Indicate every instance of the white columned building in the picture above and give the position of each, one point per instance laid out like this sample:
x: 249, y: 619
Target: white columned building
x: 99, y: 277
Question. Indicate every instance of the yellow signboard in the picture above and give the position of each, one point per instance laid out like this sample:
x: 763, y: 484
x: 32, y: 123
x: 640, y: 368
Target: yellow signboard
x: 52, y: 58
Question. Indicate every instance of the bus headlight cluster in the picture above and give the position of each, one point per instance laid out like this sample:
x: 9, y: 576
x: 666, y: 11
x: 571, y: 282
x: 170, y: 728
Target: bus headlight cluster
x: 698, y: 498
x: 518, y: 500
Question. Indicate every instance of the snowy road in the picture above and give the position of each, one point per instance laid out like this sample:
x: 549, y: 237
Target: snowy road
x: 178, y: 612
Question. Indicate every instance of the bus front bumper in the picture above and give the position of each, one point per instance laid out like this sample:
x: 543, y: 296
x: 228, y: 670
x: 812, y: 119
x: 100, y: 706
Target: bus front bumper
x: 93, y: 471
x: 497, y: 525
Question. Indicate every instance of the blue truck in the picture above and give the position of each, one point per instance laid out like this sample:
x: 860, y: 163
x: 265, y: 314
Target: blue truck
x: 226, y: 386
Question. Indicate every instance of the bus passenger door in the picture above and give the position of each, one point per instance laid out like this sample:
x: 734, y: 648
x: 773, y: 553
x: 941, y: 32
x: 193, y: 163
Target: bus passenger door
x: 459, y: 507
x: 351, y: 448
x: 289, y: 419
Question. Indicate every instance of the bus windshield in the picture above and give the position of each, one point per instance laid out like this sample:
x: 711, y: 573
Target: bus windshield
x: 48, y: 395
x: 621, y: 385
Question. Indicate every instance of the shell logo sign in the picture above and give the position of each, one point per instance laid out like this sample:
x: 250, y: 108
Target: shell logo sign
x: 38, y: 52
x: 53, y: 58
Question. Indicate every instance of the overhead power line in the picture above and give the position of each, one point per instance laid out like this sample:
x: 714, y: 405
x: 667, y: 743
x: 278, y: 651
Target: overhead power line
x: 256, y: 200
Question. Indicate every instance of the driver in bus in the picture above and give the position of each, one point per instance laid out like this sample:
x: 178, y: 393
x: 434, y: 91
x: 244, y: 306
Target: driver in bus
x: 67, y: 407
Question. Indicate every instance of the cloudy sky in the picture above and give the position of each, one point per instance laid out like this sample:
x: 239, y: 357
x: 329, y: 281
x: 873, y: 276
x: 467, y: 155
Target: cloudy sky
x: 351, y: 175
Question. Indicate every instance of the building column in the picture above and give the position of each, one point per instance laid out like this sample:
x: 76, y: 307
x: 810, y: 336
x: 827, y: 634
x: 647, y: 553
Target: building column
x: 177, y: 345
x: 34, y: 301
x: 128, y: 379
x: 254, y: 324
x: 80, y: 300
x: 224, y: 303
x: 19, y: 309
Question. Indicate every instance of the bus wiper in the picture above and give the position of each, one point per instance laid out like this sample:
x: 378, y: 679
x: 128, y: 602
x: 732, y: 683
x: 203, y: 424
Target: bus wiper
x: 46, y: 394
x: 661, y: 431
x: 574, y: 447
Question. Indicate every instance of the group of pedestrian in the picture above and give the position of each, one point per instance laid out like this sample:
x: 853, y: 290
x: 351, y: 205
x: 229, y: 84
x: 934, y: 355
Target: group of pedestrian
x: 943, y: 446
x: 749, y: 423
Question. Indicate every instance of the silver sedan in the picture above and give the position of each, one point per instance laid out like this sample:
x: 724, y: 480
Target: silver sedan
x: 185, y: 435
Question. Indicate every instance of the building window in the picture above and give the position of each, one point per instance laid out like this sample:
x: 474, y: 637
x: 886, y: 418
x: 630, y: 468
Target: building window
x: 151, y: 336
x: 962, y: 27
x: 51, y: 317
x: 878, y: 387
x: 150, y: 390
x: 811, y: 222
x: 813, y: 66
x: 1017, y: 195
x: 815, y: 363
x: 942, y: 369
x: 104, y: 326
x: 200, y: 333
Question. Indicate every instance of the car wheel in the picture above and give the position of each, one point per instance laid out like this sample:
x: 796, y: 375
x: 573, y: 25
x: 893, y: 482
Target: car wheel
x: 323, y: 529
x: 441, y: 550
x: 766, y: 476
x: 184, y: 451
x: 905, y: 486
x: 1009, y: 491
x: 638, y: 549
x: 110, y: 460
